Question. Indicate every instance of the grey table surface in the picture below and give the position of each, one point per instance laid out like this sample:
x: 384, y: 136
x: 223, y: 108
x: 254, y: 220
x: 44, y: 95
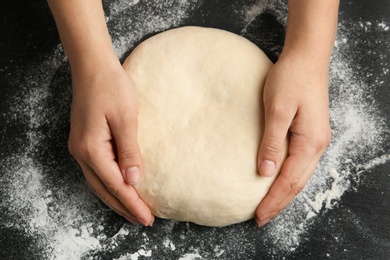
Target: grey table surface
x: 47, y: 211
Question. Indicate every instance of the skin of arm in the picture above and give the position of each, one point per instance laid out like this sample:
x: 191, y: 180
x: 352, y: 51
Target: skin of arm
x: 104, y: 113
x: 296, y: 103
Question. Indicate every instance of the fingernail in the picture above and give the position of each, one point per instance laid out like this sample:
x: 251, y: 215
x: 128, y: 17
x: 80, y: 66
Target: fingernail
x: 133, y: 175
x: 145, y: 223
x: 267, y: 168
x: 263, y: 222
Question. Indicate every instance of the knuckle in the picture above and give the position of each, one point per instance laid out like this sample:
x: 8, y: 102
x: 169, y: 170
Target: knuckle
x: 287, y: 182
x: 273, y: 196
x: 273, y: 146
x: 297, y: 188
x: 129, y: 111
x: 276, y: 110
x: 71, y: 148
x: 102, y: 195
x: 132, y: 116
x: 84, y: 149
x: 112, y: 189
x: 292, y: 185
x: 323, y: 140
x: 129, y: 152
x: 91, y: 188
x: 73, y: 145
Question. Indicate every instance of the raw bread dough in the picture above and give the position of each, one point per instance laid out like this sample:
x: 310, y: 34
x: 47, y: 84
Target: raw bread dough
x: 200, y: 124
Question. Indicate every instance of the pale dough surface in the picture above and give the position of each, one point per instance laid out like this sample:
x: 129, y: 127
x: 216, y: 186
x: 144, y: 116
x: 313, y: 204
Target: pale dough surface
x: 200, y: 124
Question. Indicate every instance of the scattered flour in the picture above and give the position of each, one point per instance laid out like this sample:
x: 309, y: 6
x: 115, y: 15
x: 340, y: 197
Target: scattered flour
x: 148, y: 18
x: 191, y: 256
x: 73, y: 224
x: 359, y: 133
x: 135, y: 255
x: 168, y: 243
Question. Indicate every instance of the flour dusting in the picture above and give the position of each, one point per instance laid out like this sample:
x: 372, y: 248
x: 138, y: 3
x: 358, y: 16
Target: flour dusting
x: 358, y: 132
x: 129, y: 21
x: 45, y: 196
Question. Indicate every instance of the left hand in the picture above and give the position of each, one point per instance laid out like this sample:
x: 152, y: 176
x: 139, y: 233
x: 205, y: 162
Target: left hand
x: 296, y: 104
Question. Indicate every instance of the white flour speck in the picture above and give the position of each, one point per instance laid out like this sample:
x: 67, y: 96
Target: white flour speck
x: 135, y: 255
x: 70, y: 221
x: 191, y: 256
x: 169, y: 244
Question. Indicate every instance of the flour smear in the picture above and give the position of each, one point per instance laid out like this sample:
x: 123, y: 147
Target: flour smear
x: 358, y: 129
x: 70, y: 222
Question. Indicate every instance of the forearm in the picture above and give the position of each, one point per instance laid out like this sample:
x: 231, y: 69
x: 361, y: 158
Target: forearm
x: 311, y: 29
x: 84, y: 34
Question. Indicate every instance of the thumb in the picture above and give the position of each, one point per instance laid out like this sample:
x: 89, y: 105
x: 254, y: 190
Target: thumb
x: 129, y: 156
x: 276, y: 127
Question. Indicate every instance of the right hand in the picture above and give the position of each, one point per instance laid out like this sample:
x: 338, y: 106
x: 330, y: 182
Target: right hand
x: 295, y: 104
x: 103, y: 138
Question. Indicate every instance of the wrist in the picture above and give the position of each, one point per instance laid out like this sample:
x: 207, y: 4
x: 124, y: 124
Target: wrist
x: 307, y: 69
x: 90, y: 64
x: 305, y: 59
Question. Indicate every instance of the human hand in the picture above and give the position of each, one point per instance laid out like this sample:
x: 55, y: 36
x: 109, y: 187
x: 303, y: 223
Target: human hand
x: 103, y: 138
x: 296, y: 104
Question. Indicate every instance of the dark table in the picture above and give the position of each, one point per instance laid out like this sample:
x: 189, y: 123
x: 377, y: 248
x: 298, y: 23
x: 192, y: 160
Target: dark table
x: 47, y: 211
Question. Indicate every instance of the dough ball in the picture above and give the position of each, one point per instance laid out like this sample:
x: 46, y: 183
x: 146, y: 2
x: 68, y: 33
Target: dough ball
x: 200, y: 124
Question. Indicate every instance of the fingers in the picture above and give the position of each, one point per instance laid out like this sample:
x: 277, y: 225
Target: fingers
x: 295, y: 173
x: 295, y: 103
x: 100, y: 167
x: 112, y: 179
x: 129, y: 156
x: 103, y: 139
x: 291, y: 181
x: 100, y: 190
x: 277, y: 123
x: 298, y: 186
